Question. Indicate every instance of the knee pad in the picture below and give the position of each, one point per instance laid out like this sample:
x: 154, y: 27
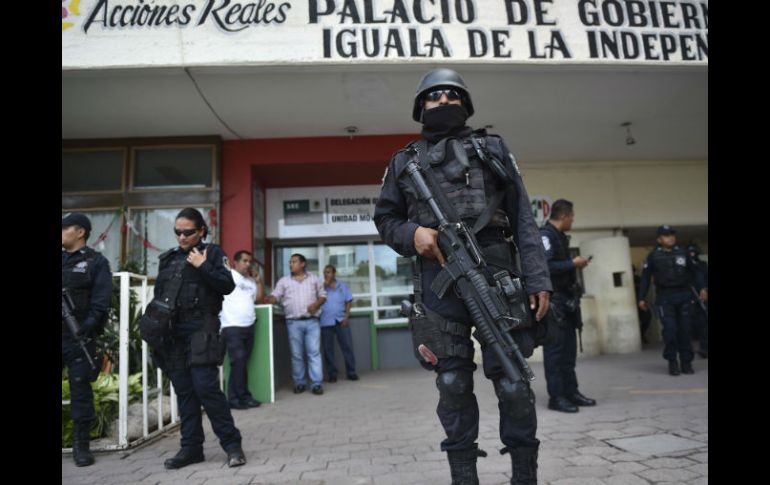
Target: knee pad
x: 456, y: 389
x: 516, y: 398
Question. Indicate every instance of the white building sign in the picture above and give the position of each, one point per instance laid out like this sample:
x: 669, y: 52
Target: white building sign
x: 312, y: 212
x: 140, y: 33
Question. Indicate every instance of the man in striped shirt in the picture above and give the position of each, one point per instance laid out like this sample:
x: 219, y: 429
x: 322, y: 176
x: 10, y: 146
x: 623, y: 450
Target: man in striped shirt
x: 302, y: 295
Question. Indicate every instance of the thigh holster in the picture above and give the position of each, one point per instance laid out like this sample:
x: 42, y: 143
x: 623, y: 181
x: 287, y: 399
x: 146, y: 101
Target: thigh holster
x: 438, y: 334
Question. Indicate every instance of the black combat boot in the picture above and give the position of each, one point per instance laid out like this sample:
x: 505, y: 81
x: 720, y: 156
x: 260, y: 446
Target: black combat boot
x: 81, y: 441
x: 462, y: 464
x: 184, y: 457
x: 523, y: 466
x: 687, y: 368
x: 673, y: 367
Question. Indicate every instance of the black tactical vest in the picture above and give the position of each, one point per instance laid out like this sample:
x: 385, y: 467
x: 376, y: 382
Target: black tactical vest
x: 77, y: 275
x: 467, y: 182
x: 560, y: 281
x: 194, y: 294
x: 669, y: 268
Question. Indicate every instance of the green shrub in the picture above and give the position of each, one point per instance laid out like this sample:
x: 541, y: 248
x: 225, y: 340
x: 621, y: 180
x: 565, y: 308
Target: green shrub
x: 105, y: 389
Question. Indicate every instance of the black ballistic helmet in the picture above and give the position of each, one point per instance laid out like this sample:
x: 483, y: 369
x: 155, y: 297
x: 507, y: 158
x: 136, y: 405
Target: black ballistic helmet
x: 436, y: 78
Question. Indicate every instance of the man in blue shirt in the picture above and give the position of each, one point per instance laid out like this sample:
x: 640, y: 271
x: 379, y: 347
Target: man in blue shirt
x: 334, y: 321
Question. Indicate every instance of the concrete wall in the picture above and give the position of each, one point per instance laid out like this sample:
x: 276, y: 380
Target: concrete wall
x: 615, y: 195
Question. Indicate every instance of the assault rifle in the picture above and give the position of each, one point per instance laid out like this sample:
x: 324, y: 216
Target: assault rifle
x: 67, y: 307
x: 487, y: 305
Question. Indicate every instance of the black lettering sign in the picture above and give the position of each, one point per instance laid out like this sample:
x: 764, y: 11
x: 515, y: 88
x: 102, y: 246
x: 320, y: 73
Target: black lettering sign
x: 640, y: 30
x: 140, y: 14
x: 236, y: 16
x: 555, y: 43
x: 375, y: 42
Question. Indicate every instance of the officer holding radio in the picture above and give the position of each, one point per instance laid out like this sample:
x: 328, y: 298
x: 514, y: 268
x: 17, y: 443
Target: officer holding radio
x: 559, y: 358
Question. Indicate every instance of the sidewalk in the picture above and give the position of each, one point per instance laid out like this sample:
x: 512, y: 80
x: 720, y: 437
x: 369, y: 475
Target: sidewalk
x: 383, y: 430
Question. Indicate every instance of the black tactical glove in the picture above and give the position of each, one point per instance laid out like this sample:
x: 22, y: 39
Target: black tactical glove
x: 86, y: 328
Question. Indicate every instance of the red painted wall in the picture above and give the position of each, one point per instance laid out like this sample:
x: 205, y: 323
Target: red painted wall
x: 294, y: 162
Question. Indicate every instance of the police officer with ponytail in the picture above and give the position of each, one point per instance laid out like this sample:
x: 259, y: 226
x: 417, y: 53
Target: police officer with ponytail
x: 85, y: 274
x: 483, y: 186
x: 195, y: 277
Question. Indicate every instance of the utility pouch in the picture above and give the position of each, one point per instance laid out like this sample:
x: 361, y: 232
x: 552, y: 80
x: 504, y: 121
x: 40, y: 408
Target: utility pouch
x: 206, y: 348
x: 518, y: 303
x: 155, y: 325
x: 160, y: 315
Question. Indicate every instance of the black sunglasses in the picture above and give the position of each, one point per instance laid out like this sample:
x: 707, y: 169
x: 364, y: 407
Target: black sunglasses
x: 186, y: 232
x: 451, y: 94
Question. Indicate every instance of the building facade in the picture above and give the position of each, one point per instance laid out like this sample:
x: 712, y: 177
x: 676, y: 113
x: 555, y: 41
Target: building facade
x: 277, y: 119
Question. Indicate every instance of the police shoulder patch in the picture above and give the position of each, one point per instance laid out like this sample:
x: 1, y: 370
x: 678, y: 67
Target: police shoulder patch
x: 546, y: 242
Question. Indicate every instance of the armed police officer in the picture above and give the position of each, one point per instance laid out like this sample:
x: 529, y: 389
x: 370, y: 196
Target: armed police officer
x: 479, y: 185
x: 559, y: 357
x: 672, y: 269
x: 86, y: 277
x: 193, y: 278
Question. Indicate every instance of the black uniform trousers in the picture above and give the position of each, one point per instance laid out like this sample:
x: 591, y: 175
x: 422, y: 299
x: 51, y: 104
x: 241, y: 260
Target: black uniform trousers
x: 700, y: 326
x: 79, y: 371
x: 462, y: 425
x: 240, y: 341
x: 344, y: 337
x: 559, y: 358
x: 196, y: 386
x: 673, y: 309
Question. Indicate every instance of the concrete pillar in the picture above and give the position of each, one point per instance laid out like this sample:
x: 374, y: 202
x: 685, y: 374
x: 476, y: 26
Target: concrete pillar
x: 609, y: 280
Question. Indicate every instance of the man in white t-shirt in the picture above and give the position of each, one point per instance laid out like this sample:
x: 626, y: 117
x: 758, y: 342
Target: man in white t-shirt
x: 238, y: 319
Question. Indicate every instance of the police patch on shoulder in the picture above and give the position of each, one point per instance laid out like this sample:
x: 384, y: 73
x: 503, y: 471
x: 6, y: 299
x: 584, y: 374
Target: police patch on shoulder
x: 384, y: 175
x: 680, y: 260
x: 513, y: 161
x: 225, y: 263
x: 546, y: 243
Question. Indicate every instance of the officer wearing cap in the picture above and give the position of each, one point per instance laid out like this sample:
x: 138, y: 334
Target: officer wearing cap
x: 484, y: 187
x: 700, y: 319
x: 85, y: 274
x: 672, y: 269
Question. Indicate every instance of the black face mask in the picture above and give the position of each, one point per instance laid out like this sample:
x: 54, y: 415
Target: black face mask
x: 443, y: 121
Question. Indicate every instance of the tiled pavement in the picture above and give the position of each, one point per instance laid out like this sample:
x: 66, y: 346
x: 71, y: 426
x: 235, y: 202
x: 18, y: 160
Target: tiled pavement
x: 383, y: 430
